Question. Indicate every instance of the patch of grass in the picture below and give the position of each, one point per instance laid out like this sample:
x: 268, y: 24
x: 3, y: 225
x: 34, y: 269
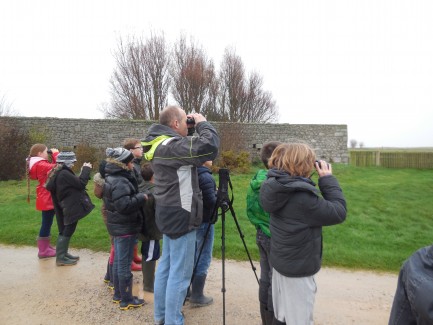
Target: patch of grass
x: 390, y: 215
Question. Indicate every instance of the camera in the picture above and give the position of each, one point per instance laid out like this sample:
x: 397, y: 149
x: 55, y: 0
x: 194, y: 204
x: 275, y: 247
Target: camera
x: 320, y: 165
x: 190, y: 121
x: 49, y: 151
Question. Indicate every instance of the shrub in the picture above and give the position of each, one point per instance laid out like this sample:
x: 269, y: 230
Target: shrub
x: 86, y: 153
x: 15, y: 145
x: 235, y: 162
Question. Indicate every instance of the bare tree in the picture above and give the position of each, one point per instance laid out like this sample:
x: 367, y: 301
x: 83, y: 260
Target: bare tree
x: 192, y: 75
x: 243, y: 100
x: 127, y: 83
x: 139, y: 84
x: 259, y: 105
x: 353, y: 143
x: 232, y: 89
x: 156, y: 62
x: 6, y: 108
x: 211, y: 107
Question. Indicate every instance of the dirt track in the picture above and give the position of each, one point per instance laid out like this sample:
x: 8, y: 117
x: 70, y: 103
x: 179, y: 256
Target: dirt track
x: 36, y: 291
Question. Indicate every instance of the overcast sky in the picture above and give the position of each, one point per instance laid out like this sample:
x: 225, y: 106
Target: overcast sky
x: 367, y: 63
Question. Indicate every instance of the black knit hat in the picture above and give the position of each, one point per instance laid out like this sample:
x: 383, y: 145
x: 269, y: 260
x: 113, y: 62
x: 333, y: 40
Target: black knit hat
x: 120, y: 154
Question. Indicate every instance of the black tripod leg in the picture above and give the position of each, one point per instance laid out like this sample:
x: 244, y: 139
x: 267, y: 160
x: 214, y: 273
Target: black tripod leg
x: 243, y: 241
x: 223, y: 248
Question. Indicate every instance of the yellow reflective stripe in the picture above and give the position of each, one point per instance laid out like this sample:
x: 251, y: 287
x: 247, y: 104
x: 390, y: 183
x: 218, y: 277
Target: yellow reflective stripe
x: 154, y: 144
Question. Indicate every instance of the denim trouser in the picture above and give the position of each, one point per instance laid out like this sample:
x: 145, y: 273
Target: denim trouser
x: 47, y: 222
x: 173, y: 276
x: 413, y: 300
x: 206, y: 254
x: 265, y: 286
x: 123, y: 255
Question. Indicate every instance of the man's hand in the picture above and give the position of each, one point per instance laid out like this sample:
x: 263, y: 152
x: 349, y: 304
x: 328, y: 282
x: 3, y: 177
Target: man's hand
x: 197, y: 117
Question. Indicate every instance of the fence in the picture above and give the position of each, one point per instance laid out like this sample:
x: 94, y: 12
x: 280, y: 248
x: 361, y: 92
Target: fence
x: 392, y: 159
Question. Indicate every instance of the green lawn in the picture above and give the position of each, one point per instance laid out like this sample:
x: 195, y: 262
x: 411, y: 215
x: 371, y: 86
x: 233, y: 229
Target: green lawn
x: 390, y: 215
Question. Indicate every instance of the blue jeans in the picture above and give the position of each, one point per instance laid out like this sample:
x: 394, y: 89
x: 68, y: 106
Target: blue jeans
x: 123, y: 255
x: 413, y: 300
x: 206, y: 254
x: 173, y: 276
x: 47, y: 222
x: 265, y: 286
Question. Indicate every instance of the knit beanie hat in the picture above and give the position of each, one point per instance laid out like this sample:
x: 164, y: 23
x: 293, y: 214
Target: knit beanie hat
x: 66, y: 157
x: 120, y: 154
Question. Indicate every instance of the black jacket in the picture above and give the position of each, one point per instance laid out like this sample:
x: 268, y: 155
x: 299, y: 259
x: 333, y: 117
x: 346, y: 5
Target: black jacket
x: 71, y: 201
x: 298, y: 213
x: 137, y: 174
x: 149, y: 229
x: 122, y: 200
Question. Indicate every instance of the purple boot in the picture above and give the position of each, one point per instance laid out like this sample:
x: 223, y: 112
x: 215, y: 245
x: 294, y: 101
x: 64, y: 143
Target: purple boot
x: 45, y: 250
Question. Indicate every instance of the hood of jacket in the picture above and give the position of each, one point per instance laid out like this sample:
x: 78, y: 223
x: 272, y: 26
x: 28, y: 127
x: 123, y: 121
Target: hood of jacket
x: 50, y: 184
x: 114, y: 167
x: 274, y: 191
x: 157, y: 133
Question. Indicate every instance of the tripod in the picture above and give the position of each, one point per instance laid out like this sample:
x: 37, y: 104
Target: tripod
x: 224, y: 204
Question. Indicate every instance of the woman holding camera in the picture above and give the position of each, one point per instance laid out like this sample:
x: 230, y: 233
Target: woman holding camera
x: 38, y: 165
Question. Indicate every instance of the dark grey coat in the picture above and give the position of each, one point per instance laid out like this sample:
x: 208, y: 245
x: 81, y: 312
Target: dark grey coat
x: 174, y: 159
x: 71, y: 201
x: 297, y: 214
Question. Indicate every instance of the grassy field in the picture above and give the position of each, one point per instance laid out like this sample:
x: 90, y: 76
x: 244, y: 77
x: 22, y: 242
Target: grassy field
x: 390, y: 215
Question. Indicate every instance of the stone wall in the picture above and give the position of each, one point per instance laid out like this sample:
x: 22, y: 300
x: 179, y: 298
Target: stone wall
x: 328, y: 141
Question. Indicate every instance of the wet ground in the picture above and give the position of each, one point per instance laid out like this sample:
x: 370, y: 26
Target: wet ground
x: 34, y: 291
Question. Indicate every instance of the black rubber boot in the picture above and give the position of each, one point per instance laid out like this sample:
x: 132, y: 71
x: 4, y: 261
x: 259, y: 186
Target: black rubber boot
x: 110, y: 274
x: 277, y: 322
x: 148, y: 270
x: 107, y: 273
x: 61, y: 250
x: 72, y: 257
x: 128, y: 300
x: 116, y: 296
x: 197, y: 298
x: 266, y: 315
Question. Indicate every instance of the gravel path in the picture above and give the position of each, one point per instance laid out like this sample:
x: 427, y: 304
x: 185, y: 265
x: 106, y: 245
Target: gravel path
x: 36, y: 291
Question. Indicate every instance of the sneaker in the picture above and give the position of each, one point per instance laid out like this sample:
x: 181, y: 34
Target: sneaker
x: 110, y: 285
x: 134, y: 303
x: 106, y: 278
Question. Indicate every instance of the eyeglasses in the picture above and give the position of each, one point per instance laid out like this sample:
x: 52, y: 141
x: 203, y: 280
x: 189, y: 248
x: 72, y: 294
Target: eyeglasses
x: 138, y: 147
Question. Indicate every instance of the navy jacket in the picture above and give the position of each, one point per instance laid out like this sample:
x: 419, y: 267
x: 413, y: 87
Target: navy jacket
x: 208, y: 189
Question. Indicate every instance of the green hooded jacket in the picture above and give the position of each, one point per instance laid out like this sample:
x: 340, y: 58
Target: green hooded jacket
x: 258, y: 217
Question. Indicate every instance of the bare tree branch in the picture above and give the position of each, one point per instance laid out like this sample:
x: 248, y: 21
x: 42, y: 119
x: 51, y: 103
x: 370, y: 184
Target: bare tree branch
x: 139, y: 84
x: 193, y: 75
x: 6, y: 108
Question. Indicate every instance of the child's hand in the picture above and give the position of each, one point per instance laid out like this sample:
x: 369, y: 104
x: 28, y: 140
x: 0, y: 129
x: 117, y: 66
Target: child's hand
x: 323, y: 168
